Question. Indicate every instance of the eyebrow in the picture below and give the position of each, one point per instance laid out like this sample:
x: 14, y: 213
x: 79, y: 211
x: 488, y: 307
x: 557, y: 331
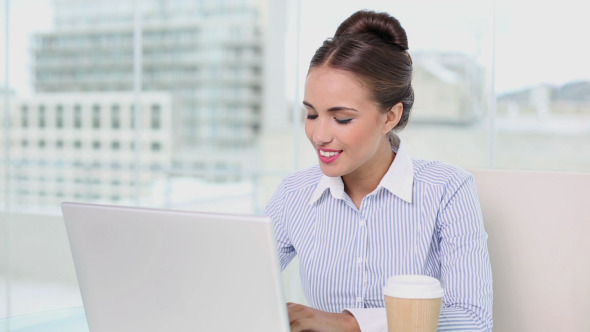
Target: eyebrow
x: 332, y: 109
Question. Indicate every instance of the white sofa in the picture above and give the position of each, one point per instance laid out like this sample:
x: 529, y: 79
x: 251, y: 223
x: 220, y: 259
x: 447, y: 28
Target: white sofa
x: 539, y: 242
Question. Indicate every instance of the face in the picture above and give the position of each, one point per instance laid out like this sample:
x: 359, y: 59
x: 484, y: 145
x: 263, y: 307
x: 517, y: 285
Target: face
x: 345, y: 125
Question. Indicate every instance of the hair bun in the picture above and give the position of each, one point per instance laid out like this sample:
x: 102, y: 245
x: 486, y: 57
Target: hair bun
x: 381, y: 25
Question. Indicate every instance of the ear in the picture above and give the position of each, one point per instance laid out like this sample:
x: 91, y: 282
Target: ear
x: 393, y: 117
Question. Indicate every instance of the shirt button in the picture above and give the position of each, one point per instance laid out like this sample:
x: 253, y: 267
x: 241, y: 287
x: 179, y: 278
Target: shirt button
x: 359, y: 299
x: 359, y: 260
x: 363, y: 222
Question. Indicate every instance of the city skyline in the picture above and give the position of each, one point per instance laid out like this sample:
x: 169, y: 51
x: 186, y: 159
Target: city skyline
x: 208, y: 64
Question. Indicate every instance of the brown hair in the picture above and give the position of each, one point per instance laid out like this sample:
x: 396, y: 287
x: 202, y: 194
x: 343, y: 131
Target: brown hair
x: 373, y: 46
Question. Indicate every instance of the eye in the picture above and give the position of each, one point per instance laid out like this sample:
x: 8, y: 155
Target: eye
x: 343, y: 121
x: 311, y: 116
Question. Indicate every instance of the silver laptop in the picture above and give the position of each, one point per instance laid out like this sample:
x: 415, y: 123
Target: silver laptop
x: 148, y: 270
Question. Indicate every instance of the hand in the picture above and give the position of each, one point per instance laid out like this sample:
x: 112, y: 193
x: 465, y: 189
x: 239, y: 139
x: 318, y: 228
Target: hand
x: 305, y: 319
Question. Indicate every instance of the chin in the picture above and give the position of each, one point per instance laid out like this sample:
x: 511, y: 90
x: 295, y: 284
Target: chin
x: 330, y: 171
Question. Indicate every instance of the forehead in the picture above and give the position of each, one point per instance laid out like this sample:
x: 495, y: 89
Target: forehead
x: 328, y: 85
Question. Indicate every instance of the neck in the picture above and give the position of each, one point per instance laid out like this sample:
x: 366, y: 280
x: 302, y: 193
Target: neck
x: 363, y: 181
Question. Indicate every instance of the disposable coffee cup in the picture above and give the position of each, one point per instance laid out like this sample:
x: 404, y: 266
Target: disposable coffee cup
x: 412, y: 303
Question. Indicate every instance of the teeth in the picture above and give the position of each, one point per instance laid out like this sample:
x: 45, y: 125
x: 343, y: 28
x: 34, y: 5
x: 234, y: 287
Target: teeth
x: 328, y: 154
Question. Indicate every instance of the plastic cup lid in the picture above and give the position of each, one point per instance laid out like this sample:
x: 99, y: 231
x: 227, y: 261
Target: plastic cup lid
x: 413, y: 287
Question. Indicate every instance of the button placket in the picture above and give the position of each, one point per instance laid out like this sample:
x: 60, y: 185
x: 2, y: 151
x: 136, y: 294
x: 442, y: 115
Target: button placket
x: 362, y: 258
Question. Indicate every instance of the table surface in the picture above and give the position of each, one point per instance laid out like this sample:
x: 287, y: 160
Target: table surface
x: 61, y: 320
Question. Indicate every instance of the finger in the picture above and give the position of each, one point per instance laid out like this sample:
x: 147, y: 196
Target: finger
x: 297, y: 313
x: 295, y: 307
x: 300, y: 325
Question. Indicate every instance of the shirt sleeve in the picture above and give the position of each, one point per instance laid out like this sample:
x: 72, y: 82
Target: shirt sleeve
x: 466, y: 274
x: 370, y: 320
x: 275, y: 210
x: 375, y: 320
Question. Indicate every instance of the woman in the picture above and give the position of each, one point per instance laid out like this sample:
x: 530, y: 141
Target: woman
x: 369, y: 211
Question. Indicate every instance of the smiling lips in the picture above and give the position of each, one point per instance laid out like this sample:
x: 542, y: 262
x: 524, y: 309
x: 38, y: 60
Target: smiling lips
x: 328, y: 156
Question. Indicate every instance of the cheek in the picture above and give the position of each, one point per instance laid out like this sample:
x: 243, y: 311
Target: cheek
x: 357, y: 132
x: 309, y: 130
x: 363, y: 135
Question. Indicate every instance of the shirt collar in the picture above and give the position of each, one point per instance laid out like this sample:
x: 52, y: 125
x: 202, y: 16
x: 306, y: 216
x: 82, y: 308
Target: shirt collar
x: 399, y: 179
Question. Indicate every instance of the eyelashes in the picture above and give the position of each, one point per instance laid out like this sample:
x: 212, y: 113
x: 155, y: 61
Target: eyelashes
x: 339, y: 121
x: 343, y: 121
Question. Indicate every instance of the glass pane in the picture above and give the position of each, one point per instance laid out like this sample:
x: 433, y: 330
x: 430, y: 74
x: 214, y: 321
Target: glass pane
x: 543, y: 86
x: 196, y: 105
x: 164, y: 110
x: 4, y: 175
x: 36, y: 270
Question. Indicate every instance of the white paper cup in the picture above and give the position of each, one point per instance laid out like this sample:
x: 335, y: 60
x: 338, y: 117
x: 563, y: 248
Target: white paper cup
x: 412, y: 303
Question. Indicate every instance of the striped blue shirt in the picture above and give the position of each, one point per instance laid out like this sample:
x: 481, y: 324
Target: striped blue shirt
x: 423, y: 218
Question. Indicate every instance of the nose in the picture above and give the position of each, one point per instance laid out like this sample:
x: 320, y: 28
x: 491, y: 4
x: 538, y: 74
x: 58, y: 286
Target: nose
x: 321, y: 132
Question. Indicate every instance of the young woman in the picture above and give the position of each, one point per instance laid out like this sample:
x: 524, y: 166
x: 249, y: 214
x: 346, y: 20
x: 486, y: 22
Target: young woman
x: 369, y: 211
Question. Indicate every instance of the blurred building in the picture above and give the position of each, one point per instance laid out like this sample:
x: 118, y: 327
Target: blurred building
x: 449, y: 89
x: 200, y: 70
x: 207, y: 54
x: 572, y: 98
x: 563, y: 109
x: 82, y: 146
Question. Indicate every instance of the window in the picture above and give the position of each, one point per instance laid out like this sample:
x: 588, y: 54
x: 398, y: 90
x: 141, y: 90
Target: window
x: 77, y: 116
x: 202, y: 113
x: 156, y: 117
x: 115, y: 117
x: 41, y: 117
x: 59, y: 117
x: 24, y: 116
x: 96, y: 116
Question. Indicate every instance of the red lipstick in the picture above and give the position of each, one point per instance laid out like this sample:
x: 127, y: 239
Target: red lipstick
x: 328, y: 155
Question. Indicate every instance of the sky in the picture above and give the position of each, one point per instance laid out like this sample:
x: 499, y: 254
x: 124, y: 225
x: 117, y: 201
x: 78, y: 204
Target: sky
x: 536, y: 42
